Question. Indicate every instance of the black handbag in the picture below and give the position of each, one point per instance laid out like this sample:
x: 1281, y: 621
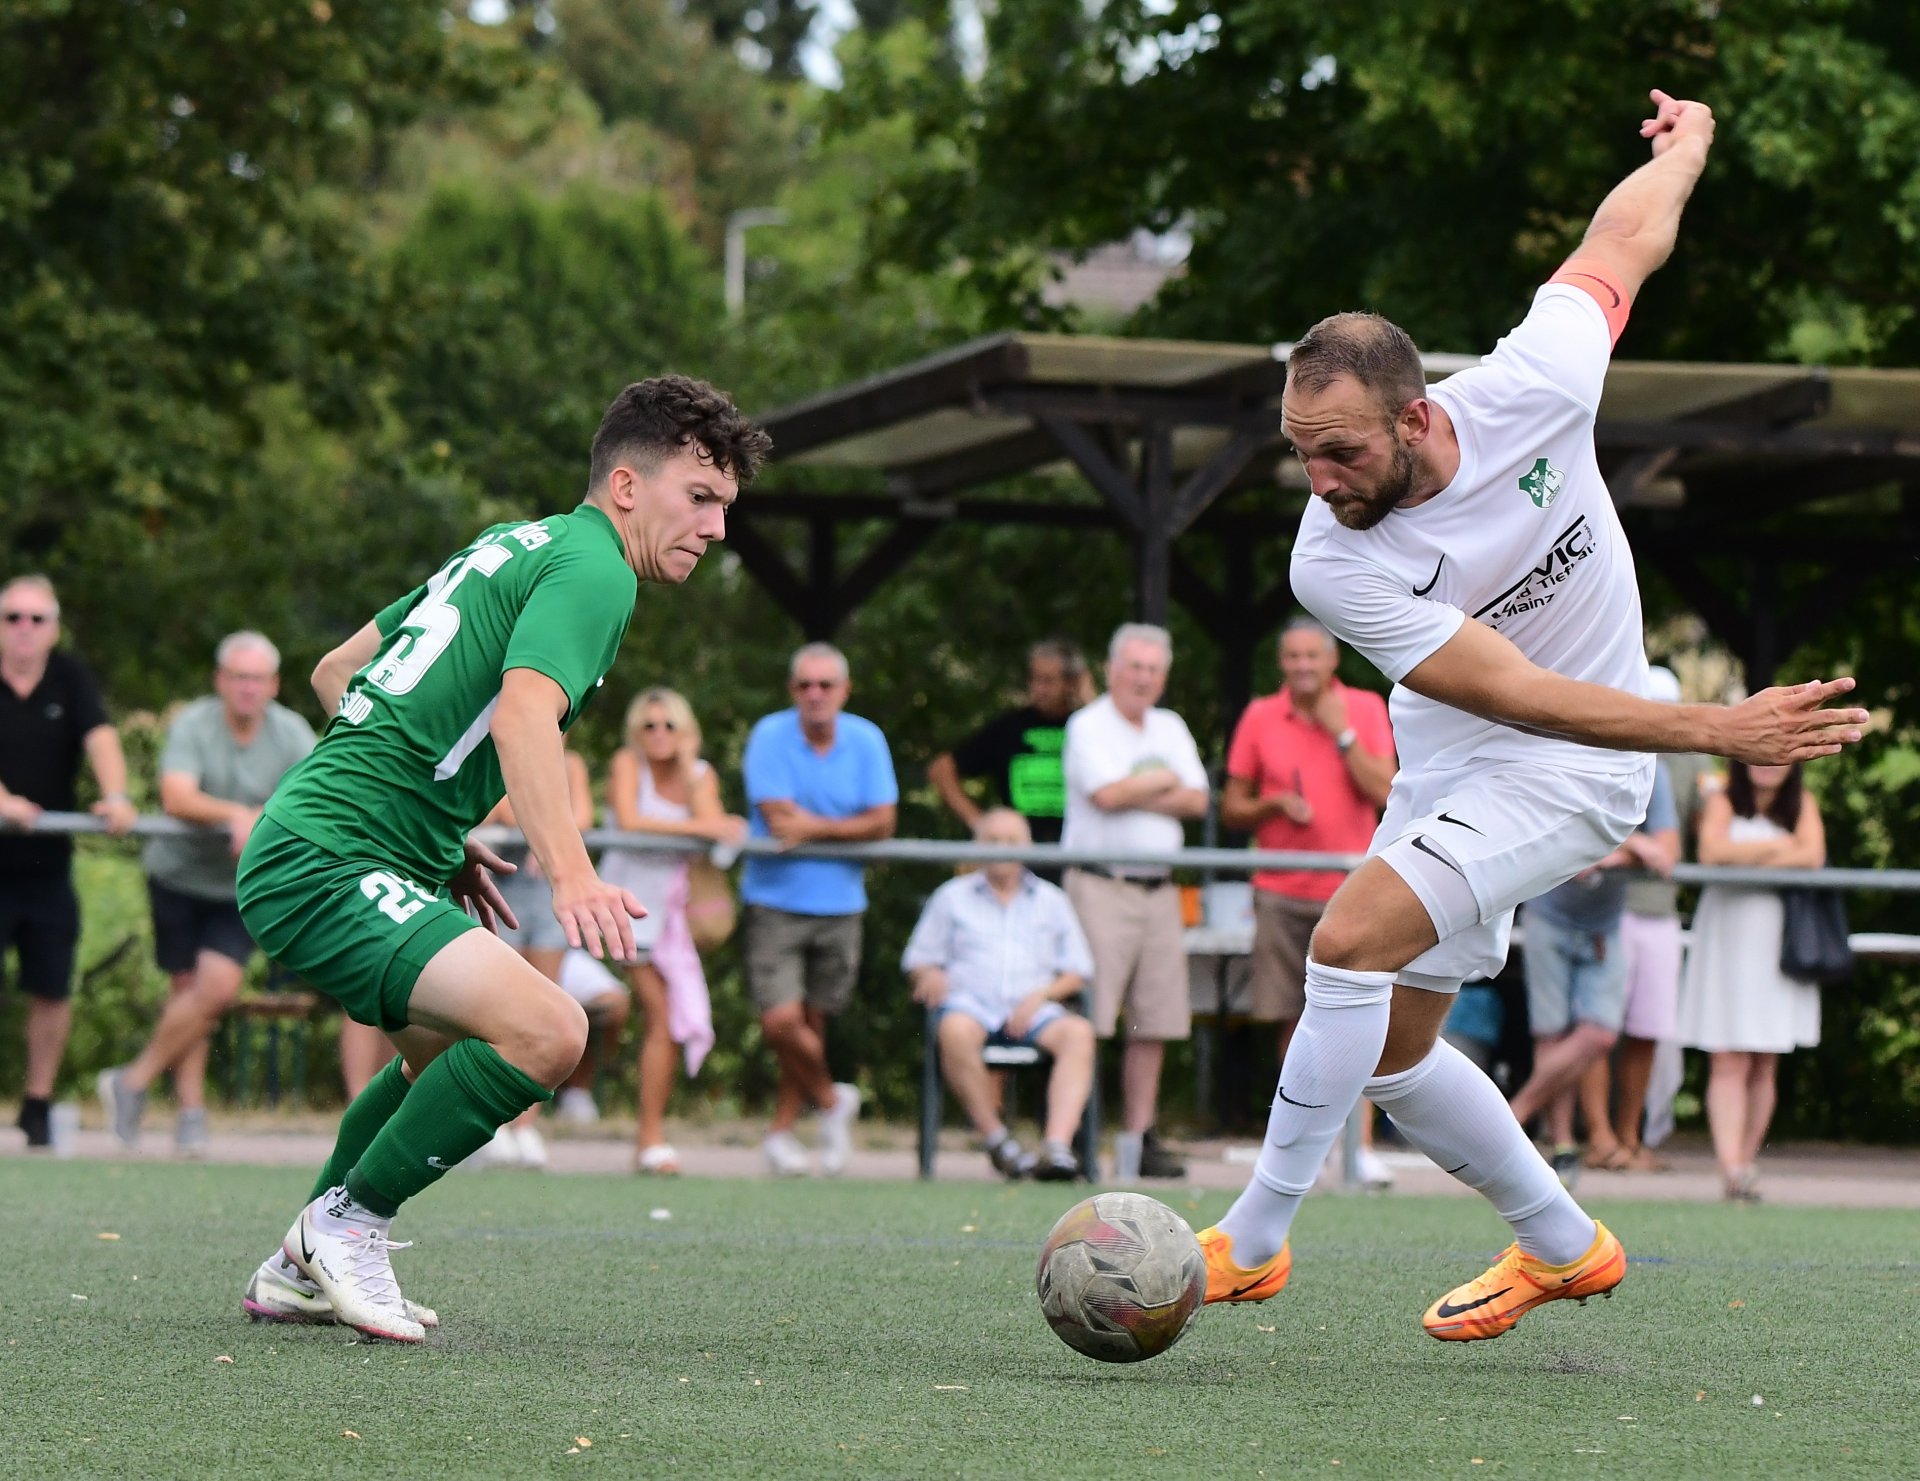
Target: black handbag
x: 1813, y: 942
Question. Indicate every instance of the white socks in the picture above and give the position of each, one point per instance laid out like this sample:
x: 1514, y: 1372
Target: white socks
x: 1448, y: 1108
x: 1332, y: 1053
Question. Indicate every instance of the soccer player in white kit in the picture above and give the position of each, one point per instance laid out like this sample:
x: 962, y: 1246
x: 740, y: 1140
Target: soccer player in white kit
x: 1462, y: 537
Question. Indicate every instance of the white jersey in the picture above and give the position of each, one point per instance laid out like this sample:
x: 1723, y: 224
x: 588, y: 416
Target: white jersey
x: 1524, y: 539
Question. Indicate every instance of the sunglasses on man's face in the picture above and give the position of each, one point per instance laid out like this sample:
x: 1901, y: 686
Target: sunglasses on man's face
x: 652, y: 725
x: 38, y: 619
x: 804, y: 684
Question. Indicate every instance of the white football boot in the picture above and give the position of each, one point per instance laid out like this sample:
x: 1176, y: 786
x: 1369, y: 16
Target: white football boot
x: 278, y: 1292
x: 836, y: 1129
x: 344, y: 1249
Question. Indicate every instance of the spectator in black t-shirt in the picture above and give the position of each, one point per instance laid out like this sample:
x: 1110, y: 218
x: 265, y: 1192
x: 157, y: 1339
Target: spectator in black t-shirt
x: 50, y: 714
x: 1020, y: 750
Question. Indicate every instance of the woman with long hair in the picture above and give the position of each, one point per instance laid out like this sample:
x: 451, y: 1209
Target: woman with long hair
x: 659, y: 784
x: 1735, y: 1002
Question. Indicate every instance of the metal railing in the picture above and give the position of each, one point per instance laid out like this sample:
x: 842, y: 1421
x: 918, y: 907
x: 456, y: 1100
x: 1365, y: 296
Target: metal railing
x: 944, y: 851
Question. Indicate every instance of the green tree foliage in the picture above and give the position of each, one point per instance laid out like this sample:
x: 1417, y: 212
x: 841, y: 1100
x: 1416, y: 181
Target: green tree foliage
x: 173, y: 244
x: 1432, y: 162
x: 775, y: 29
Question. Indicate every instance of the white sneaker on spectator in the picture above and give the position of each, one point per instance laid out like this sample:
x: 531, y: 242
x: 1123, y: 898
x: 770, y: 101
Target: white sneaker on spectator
x: 502, y: 1151
x: 785, y: 1156
x: 533, y: 1148
x: 345, y: 1250
x: 836, y: 1128
x: 575, y: 1106
x: 190, y: 1136
x: 1374, y: 1173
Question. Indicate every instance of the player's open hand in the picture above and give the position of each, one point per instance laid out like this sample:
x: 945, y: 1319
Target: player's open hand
x: 1675, y: 119
x: 474, y: 889
x: 1779, y: 726
x: 598, y: 917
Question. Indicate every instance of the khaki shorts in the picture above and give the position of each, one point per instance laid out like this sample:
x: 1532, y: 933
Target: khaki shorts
x: 792, y: 958
x: 1139, y: 956
x: 1282, y: 927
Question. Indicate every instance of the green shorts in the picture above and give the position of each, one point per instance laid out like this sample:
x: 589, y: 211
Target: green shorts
x: 356, y: 929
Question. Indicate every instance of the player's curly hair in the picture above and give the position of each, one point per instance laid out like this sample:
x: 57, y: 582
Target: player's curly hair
x: 1373, y: 350
x: 651, y: 420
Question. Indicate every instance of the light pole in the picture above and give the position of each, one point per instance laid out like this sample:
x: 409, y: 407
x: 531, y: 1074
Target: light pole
x: 736, y: 250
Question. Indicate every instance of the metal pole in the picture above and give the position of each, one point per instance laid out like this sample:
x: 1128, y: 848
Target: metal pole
x: 736, y: 250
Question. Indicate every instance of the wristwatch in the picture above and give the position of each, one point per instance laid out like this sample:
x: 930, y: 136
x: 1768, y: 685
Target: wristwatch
x: 1345, y: 739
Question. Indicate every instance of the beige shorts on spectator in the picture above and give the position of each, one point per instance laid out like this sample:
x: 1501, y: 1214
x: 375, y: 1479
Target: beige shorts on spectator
x: 792, y: 958
x: 1139, y: 955
x: 1282, y: 928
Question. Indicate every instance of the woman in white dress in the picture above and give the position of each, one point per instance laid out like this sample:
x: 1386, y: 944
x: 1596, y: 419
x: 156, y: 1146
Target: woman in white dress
x: 1735, y: 1002
x: 659, y: 784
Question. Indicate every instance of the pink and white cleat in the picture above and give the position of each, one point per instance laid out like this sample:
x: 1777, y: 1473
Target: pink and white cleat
x: 343, y: 1249
x: 278, y: 1292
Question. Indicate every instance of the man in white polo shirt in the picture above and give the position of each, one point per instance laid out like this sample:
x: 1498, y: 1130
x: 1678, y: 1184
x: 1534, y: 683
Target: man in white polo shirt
x: 1462, y: 537
x: 1133, y: 773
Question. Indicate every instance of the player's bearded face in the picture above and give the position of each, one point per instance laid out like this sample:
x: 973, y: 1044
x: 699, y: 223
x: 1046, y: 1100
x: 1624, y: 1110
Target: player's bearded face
x: 1360, y: 507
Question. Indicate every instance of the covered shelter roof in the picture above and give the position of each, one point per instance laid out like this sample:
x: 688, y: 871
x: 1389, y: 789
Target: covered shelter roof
x: 1708, y: 463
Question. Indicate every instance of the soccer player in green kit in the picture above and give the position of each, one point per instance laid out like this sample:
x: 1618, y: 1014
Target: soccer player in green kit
x: 360, y: 875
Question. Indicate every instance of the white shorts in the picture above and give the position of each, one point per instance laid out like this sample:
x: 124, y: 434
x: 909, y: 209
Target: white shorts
x: 1475, y: 842
x: 585, y: 978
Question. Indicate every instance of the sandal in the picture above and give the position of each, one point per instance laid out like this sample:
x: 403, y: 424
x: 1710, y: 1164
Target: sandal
x: 1643, y: 1159
x: 659, y: 1160
x: 1613, y: 1159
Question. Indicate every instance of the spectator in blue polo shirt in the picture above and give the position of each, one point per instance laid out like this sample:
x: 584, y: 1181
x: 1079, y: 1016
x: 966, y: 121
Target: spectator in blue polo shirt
x: 814, y: 775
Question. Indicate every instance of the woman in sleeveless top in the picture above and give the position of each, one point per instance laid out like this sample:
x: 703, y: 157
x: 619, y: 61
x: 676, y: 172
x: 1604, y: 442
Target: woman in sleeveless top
x: 1735, y: 1002
x: 659, y: 784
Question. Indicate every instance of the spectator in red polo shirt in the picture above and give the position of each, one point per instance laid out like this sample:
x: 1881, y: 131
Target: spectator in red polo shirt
x: 1308, y: 772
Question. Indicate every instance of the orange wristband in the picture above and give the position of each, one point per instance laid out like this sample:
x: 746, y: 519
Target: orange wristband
x: 1592, y: 278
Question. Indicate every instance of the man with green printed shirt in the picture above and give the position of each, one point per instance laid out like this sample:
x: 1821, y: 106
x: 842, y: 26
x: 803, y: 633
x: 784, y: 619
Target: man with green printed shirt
x: 360, y: 876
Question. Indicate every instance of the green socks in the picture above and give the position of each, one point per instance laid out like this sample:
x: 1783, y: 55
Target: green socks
x: 451, y: 1112
x: 372, y: 1108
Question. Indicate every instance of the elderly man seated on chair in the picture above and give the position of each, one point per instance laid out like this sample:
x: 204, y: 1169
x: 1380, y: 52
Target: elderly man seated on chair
x: 996, y: 952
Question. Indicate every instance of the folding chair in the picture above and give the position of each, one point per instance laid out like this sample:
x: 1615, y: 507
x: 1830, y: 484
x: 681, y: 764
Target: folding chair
x: 1011, y: 1057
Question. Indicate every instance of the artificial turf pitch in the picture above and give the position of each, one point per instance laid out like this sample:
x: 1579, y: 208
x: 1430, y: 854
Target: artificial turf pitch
x: 869, y: 1329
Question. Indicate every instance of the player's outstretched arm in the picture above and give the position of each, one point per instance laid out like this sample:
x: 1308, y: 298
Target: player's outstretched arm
x: 526, y: 733
x: 1634, y: 230
x: 1479, y: 671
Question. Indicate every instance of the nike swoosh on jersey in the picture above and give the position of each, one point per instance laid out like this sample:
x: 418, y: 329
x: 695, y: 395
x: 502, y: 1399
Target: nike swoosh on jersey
x: 1421, y: 591
x: 1447, y: 1308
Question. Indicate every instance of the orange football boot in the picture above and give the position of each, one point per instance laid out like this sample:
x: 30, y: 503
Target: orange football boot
x: 1226, y: 1281
x: 1489, y: 1305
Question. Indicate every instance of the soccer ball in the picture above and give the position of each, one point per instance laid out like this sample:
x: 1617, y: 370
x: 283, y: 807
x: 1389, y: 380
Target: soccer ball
x: 1121, y: 1277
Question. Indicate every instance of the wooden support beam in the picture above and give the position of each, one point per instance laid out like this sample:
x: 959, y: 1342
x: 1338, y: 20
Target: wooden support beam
x: 1153, y: 536
x: 892, y: 551
x: 1209, y: 481
x: 1109, y: 480
x: 763, y: 561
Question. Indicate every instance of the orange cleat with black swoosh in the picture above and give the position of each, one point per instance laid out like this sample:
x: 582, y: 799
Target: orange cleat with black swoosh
x: 1226, y: 1281
x: 1490, y: 1305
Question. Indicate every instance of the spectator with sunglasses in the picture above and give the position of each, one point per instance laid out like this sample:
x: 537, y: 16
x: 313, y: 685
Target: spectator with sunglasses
x: 814, y: 774
x: 51, y: 715
x: 659, y: 784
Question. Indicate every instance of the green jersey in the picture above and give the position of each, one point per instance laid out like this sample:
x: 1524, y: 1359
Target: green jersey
x: 407, y: 767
